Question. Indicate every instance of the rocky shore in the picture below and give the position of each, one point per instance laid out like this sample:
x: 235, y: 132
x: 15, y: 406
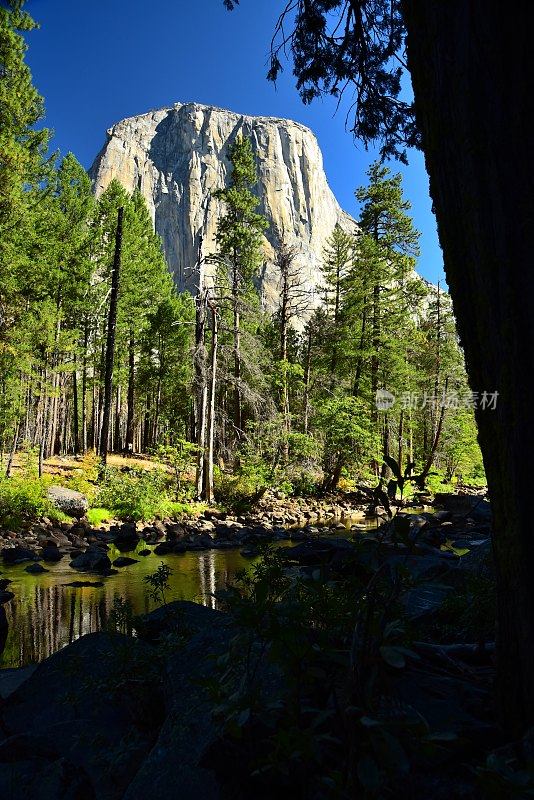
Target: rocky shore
x: 276, y: 519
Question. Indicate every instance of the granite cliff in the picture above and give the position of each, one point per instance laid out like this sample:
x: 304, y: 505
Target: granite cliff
x: 177, y: 157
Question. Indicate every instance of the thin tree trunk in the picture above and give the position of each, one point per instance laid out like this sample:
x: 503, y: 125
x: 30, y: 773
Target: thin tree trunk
x: 130, y: 416
x: 430, y: 460
x: 110, y: 345
x: 208, y: 463
x: 307, y: 374
x: 76, y: 419
x: 13, y: 450
x: 201, y: 385
x: 84, y: 387
x: 238, y: 413
x: 399, y: 441
x: 376, y: 345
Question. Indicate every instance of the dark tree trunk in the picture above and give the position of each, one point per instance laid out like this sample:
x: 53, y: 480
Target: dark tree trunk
x: 376, y: 346
x: 13, y: 450
x: 75, y: 417
x: 209, y: 496
x: 307, y: 376
x: 473, y: 72
x: 201, y: 386
x: 84, y: 387
x: 130, y: 428
x: 110, y: 344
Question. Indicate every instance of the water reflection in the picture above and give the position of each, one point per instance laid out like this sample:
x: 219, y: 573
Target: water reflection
x: 46, y: 614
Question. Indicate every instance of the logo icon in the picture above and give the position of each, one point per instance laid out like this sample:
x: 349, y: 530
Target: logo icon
x: 384, y: 400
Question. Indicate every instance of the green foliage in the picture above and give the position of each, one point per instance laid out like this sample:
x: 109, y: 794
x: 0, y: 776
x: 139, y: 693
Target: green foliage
x: 179, y: 457
x: 133, y: 494
x: 239, y: 232
x: 121, y: 616
x: 158, y: 583
x: 301, y: 686
x: 96, y: 516
x: 348, y: 442
x: 24, y: 499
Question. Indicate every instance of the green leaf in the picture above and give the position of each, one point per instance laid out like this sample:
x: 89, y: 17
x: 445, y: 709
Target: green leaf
x: 394, y: 467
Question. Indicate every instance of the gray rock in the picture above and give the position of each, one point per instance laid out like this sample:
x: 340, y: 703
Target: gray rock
x: 179, y: 157
x: 6, y: 597
x: 72, y: 503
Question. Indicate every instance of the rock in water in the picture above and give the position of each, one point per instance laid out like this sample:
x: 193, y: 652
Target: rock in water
x: 124, y: 561
x: 16, y: 555
x: 178, y: 157
x: 35, y: 569
x: 72, y: 503
x: 93, y: 560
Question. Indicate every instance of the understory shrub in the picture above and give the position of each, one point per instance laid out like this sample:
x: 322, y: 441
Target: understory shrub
x: 23, y: 498
x: 134, y: 494
x: 326, y: 645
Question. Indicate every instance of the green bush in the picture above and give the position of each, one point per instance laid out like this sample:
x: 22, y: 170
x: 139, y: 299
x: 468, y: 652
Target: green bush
x: 23, y: 498
x: 133, y: 494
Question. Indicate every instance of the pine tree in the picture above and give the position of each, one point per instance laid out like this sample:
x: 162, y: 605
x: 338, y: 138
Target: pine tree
x: 239, y: 240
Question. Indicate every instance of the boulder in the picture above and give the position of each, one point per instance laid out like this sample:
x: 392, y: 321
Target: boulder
x: 73, y: 504
x: 126, y: 535
x: 97, y: 704
x: 31, y: 767
x: 50, y: 553
x: 175, y: 766
x: 17, y: 555
x: 5, y: 596
x: 164, y: 548
x: 93, y: 560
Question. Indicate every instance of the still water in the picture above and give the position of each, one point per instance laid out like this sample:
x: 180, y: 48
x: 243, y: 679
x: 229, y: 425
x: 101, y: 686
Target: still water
x: 46, y: 614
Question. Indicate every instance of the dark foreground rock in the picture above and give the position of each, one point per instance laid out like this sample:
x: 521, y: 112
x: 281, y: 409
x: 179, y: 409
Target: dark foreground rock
x: 79, y: 727
x: 51, y: 553
x: 174, y: 767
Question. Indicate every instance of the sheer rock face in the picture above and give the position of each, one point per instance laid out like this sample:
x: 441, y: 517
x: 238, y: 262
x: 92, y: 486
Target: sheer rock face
x: 178, y: 157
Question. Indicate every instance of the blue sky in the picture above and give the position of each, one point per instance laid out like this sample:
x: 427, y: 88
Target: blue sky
x: 100, y: 61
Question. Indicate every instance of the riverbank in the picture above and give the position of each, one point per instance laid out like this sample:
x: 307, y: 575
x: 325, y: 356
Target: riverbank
x: 163, y: 718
